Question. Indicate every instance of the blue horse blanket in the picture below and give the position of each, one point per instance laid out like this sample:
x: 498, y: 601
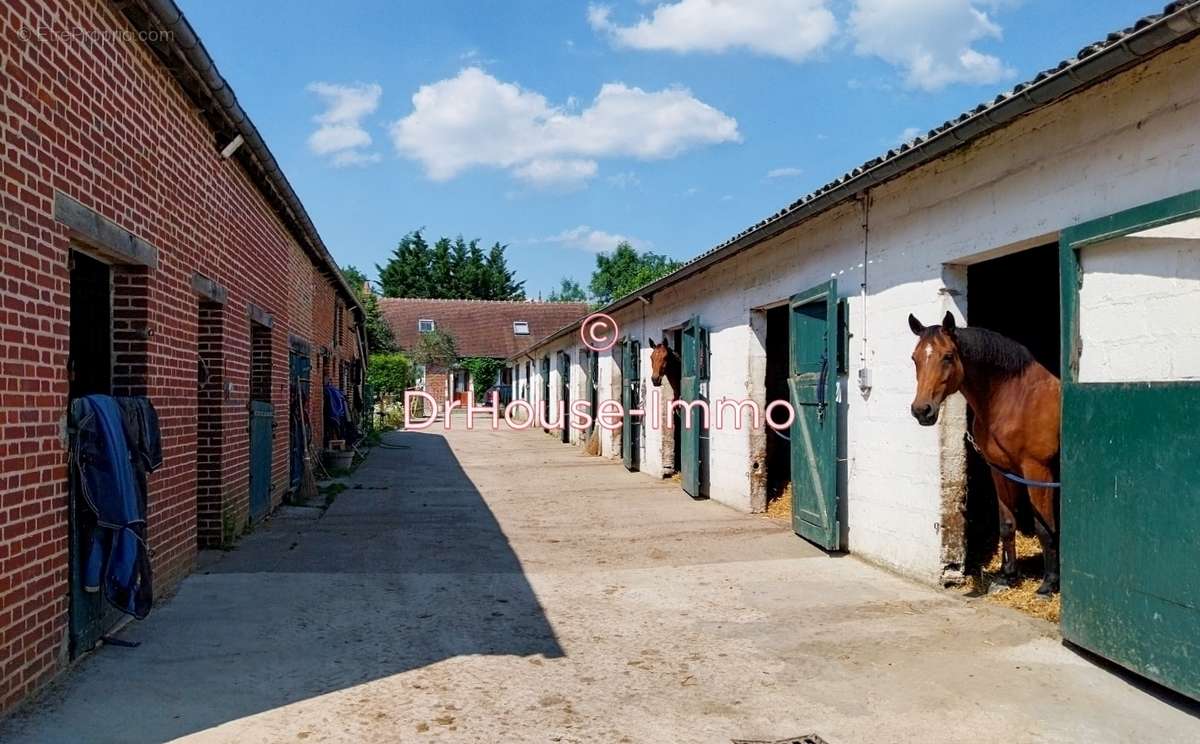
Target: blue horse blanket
x: 112, y: 452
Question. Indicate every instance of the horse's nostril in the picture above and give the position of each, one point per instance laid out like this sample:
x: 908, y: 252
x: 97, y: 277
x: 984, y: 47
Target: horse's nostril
x: 922, y: 411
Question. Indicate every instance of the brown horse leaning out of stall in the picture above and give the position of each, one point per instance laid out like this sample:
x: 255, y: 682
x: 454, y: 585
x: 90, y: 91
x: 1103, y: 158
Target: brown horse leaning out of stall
x: 664, y: 362
x: 1015, y: 402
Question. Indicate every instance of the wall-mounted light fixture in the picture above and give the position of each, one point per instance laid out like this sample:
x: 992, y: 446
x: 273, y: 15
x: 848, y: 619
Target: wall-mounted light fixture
x: 232, y: 147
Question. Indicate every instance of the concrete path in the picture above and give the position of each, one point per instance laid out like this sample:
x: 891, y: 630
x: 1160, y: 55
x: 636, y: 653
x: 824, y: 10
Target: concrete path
x: 500, y: 587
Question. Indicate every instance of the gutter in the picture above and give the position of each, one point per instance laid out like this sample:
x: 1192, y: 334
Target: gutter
x: 185, y: 58
x: 1094, y: 63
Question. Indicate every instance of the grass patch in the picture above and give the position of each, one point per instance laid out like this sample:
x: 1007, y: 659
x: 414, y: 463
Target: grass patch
x: 330, y: 492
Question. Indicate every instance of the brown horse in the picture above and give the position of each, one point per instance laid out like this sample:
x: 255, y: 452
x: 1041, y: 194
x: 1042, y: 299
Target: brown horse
x: 665, y: 362
x: 1015, y: 401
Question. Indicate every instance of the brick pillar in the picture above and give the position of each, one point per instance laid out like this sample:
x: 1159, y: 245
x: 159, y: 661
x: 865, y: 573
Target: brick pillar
x: 210, y: 425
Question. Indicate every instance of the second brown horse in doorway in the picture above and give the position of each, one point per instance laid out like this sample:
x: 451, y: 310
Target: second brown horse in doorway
x: 1015, y: 402
x: 664, y: 362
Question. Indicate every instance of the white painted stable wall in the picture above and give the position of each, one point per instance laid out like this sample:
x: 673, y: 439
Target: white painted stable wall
x: 1126, y: 142
x: 1139, y: 306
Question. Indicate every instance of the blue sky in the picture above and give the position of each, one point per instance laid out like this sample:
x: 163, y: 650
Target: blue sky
x: 558, y: 127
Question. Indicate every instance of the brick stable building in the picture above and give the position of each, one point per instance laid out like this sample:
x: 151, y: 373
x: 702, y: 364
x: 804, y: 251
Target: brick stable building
x: 149, y: 245
x: 480, y: 328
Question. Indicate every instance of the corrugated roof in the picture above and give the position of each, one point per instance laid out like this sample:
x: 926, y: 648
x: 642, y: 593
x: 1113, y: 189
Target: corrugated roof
x: 479, y: 327
x: 1093, y: 63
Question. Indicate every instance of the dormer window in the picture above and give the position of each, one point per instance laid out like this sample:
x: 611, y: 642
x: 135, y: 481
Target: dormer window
x: 425, y: 325
x: 521, y: 327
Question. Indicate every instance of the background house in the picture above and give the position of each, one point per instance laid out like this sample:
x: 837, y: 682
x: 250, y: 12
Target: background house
x: 480, y: 328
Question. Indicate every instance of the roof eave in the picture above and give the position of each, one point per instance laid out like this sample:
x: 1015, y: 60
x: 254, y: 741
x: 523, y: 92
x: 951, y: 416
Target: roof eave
x: 185, y: 58
x: 1067, y: 79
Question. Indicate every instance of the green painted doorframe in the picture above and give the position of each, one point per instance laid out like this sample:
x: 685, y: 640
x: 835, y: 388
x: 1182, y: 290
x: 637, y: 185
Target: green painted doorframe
x: 693, y: 450
x: 631, y: 398
x: 1130, y: 503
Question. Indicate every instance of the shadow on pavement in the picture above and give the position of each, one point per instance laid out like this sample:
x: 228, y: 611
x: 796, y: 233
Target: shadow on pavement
x: 407, y: 568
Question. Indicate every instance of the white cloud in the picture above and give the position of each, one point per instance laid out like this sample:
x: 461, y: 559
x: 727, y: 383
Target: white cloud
x: 791, y: 29
x: 339, y: 128
x: 593, y: 241
x: 930, y: 39
x: 625, y: 180
x: 354, y: 157
x: 565, y: 174
x: 474, y: 120
x: 784, y: 172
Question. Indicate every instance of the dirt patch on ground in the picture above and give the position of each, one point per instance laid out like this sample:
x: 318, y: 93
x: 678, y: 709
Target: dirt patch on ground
x: 1024, y: 595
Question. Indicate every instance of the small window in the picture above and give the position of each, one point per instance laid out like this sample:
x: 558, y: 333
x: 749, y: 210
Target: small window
x: 521, y: 327
x: 425, y: 326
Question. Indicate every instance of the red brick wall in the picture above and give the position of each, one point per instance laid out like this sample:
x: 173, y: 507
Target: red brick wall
x: 437, y: 383
x: 210, y: 500
x: 97, y: 118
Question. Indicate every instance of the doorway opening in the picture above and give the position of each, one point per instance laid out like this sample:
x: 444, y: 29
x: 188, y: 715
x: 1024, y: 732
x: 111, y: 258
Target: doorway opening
x: 564, y: 395
x: 210, y: 383
x: 1034, y: 322
x: 589, y: 364
x: 672, y: 418
x: 89, y: 372
x: 778, y: 455
x: 544, y: 402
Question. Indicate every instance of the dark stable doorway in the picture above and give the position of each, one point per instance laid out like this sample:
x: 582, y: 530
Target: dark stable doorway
x: 1017, y: 296
x: 90, y: 356
x: 779, y: 459
x: 676, y: 339
x: 89, y: 371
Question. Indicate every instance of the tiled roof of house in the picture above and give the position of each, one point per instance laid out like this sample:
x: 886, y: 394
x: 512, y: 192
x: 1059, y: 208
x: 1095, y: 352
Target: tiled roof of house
x: 479, y: 327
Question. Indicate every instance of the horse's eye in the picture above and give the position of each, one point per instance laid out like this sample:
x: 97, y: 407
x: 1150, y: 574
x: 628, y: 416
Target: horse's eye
x: 947, y: 358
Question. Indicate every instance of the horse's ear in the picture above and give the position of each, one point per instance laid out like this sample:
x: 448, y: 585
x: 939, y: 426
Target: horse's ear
x: 652, y: 342
x: 948, y: 324
x: 915, y: 324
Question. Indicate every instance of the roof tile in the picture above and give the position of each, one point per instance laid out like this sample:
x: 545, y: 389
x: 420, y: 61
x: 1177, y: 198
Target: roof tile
x: 479, y: 327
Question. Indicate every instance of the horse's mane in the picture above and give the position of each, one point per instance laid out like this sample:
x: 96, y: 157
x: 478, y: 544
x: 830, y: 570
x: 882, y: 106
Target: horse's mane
x: 988, y: 348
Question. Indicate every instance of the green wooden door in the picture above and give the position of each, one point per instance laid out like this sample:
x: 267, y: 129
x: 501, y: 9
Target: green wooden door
x: 262, y: 419
x: 812, y: 380
x: 1130, y: 509
x: 544, y: 404
x: 631, y: 400
x: 693, y: 466
x: 564, y: 393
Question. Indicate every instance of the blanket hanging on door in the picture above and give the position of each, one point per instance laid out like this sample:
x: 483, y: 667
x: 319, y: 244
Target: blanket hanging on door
x: 338, y: 424
x: 115, y: 445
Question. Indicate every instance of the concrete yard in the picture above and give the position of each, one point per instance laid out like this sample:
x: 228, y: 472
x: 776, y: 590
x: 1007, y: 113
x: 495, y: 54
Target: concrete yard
x: 501, y: 587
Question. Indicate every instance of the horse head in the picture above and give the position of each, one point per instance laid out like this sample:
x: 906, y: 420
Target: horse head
x: 939, y: 367
x: 664, y: 361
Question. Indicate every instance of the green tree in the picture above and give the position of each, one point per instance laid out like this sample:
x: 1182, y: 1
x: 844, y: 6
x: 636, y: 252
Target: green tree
x: 450, y: 269
x: 435, y: 349
x: 502, y: 281
x: 483, y: 373
x: 624, y: 270
x: 407, y: 272
x: 379, y: 333
x: 389, y: 374
x: 355, y: 278
x: 568, y: 291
